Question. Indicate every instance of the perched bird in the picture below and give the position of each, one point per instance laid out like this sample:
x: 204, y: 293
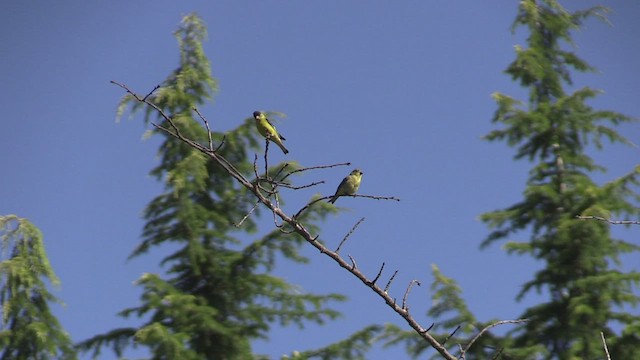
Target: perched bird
x: 349, y: 185
x: 266, y: 129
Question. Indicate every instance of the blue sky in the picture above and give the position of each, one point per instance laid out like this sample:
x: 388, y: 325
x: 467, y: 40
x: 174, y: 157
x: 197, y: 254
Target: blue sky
x: 399, y: 89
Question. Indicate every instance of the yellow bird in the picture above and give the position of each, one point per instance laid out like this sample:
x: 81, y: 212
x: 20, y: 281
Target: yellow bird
x: 349, y: 185
x: 266, y: 129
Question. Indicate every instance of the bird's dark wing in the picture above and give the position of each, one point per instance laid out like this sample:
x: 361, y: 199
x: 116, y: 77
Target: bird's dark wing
x: 342, y: 183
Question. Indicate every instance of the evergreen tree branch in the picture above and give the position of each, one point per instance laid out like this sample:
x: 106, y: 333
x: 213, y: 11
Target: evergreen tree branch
x: 354, y: 347
x: 28, y: 329
x: 296, y: 225
x: 613, y: 222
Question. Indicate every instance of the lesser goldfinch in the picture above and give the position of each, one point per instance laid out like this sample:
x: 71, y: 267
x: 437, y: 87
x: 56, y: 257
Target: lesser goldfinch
x: 349, y: 185
x: 266, y: 129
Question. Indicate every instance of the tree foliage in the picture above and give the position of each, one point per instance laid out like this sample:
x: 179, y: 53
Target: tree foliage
x: 28, y: 329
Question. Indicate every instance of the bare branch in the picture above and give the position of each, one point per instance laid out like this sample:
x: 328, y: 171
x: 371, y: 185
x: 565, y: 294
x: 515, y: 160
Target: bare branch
x: 154, y: 106
x: 301, y: 186
x: 353, y: 228
x: 406, y: 294
x: 284, y: 166
x: 266, y: 162
x: 304, y: 208
x: 314, y: 168
x: 604, y: 343
x: 275, y: 221
x: 281, y: 182
x: 613, y: 222
x: 255, y: 168
x: 298, y: 227
x: 464, y: 351
x: 221, y: 160
x: 372, y: 197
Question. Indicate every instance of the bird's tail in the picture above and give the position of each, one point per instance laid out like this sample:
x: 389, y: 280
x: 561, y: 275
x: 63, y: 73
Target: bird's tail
x: 284, y: 149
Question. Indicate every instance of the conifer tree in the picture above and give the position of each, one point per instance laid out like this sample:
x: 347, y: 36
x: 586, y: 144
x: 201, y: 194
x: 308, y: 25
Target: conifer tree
x: 582, y: 276
x: 217, y: 295
x: 588, y: 290
x: 28, y: 329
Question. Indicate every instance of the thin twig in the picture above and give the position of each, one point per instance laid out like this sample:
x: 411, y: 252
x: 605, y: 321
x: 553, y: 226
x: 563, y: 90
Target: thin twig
x: 372, y: 197
x: 151, y: 92
x: 427, y: 329
x: 160, y: 127
x: 284, y: 166
x: 353, y: 228
x: 224, y: 138
x: 386, y: 288
x: 154, y: 106
x: 604, y: 343
x: 353, y: 263
x: 206, y: 124
x: 247, y: 216
x: 301, y: 186
x: 314, y: 168
x: 489, y: 327
x: 613, y: 222
x: 406, y: 293
x: 275, y: 219
x: 498, y: 353
x: 304, y: 208
x: 378, y: 276
x: 266, y: 163
x: 255, y: 169
x: 451, y: 335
